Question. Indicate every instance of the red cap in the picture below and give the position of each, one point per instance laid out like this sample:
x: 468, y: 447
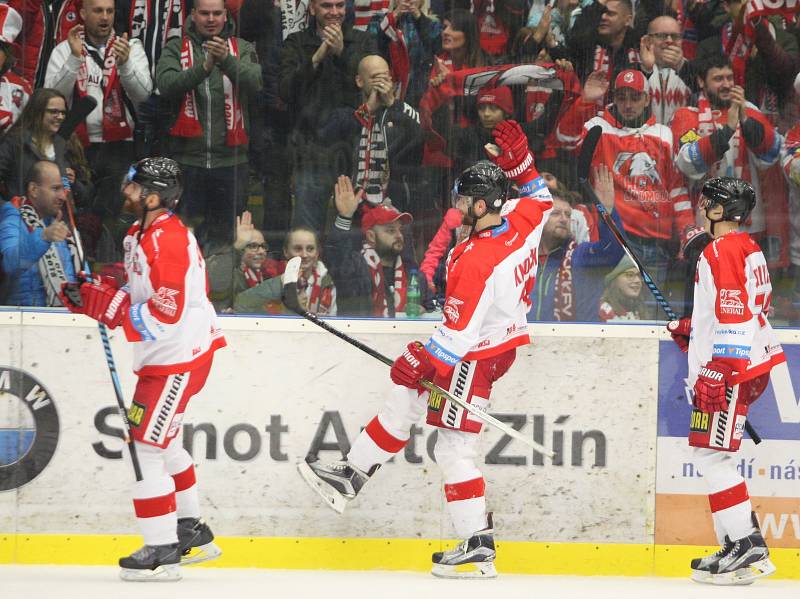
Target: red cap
x: 499, y: 96
x: 383, y: 215
x: 632, y: 79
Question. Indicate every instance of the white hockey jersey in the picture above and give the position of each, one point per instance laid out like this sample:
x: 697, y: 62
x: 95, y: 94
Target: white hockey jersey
x: 732, y: 294
x: 171, y: 319
x: 490, y: 276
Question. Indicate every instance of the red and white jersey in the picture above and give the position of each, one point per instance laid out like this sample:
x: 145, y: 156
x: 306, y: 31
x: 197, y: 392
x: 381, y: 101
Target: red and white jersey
x: 650, y: 194
x: 732, y: 292
x: 14, y: 94
x: 170, y: 318
x: 490, y: 277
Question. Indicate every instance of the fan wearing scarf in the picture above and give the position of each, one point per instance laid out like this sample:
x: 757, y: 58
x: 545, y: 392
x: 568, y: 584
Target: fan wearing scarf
x: 33, y: 240
x: 95, y: 61
x: 210, y: 76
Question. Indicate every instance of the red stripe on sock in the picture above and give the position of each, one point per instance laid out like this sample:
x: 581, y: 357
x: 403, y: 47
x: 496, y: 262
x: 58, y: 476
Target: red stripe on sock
x: 382, y: 438
x: 150, y: 507
x: 469, y: 489
x: 184, y: 480
x: 722, y: 500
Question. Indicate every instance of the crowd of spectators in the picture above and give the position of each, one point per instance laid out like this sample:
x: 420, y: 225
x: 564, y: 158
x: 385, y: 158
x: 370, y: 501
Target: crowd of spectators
x: 333, y: 130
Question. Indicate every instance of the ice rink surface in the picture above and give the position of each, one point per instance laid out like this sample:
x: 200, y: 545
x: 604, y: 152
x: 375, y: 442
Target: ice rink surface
x: 95, y: 582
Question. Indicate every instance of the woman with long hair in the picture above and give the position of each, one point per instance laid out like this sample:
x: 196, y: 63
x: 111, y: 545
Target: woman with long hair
x: 622, y: 297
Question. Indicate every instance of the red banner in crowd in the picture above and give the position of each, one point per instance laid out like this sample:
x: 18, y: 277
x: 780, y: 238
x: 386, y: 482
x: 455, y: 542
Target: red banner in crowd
x: 764, y: 8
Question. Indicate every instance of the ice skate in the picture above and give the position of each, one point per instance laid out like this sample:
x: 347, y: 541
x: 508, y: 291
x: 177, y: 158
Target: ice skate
x: 152, y: 563
x: 747, y: 560
x: 474, y: 558
x: 701, y: 566
x: 196, y: 542
x: 336, y: 482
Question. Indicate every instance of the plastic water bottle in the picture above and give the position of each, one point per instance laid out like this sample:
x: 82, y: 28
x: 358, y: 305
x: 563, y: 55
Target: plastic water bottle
x: 413, y: 295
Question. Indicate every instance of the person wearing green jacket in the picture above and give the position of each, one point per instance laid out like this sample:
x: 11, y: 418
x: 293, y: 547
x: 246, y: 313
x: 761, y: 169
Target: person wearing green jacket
x: 209, y: 76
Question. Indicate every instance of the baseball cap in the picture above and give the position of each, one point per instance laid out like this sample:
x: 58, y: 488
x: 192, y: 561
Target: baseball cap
x: 632, y: 79
x: 383, y: 215
x: 499, y: 96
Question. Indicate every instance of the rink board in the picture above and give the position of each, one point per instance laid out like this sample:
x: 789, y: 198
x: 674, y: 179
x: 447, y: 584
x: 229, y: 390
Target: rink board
x: 283, y: 390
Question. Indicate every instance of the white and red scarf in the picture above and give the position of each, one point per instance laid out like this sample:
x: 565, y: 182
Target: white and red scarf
x: 294, y: 16
x: 188, y: 123
x: 319, y: 299
x: 602, y: 60
x: 366, y: 9
x: 380, y: 307
x: 400, y: 63
x: 153, y: 22
x: 115, y: 124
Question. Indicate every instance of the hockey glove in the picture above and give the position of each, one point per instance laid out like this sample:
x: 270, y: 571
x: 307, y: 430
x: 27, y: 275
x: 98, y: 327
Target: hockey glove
x: 515, y: 158
x: 105, y: 303
x: 680, y: 331
x: 413, y: 366
x: 712, y: 382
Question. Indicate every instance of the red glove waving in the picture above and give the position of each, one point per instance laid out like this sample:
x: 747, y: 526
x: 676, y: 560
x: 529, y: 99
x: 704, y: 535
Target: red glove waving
x: 680, y: 331
x: 515, y: 158
x: 709, y: 389
x: 413, y: 366
x: 105, y: 303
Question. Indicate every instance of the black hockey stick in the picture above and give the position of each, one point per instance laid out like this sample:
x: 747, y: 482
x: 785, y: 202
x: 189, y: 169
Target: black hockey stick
x: 584, y: 165
x: 112, y: 368
x: 81, y: 108
x: 290, y: 300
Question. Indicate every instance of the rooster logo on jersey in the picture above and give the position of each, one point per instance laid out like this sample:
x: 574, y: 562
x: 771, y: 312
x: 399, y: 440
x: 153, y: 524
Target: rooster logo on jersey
x: 638, y: 167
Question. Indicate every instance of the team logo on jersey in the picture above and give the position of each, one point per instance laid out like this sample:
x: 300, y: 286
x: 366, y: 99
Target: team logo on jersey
x: 730, y: 301
x: 164, y: 301
x: 451, y: 309
x: 638, y: 164
x: 29, y: 428
x: 16, y: 97
x: 689, y: 137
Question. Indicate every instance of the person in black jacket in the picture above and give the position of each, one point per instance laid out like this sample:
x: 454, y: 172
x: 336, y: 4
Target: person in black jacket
x: 317, y: 75
x: 370, y: 268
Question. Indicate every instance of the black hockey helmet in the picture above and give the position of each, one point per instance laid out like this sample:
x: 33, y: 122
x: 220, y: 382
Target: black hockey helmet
x: 160, y: 175
x: 737, y: 197
x: 484, y: 180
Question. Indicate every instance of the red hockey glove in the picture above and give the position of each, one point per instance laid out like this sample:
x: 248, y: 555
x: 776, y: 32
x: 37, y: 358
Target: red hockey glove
x: 709, y: 389
x: 105, y: 303
x: 680, y: 331
x: 515, y: 158
x: 71, y: 297
x: 413, y: 366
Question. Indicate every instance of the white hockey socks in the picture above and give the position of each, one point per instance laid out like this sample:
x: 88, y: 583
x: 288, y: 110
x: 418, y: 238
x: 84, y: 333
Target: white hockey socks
x: 180, y: 467
x: 154, y: 498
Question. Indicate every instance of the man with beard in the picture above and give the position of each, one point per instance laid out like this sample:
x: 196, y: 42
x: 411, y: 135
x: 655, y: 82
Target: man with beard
x: 317, y: 76
x: 649, y: 191
x: 569, y: 274
x: 723, y: 134
x: 372, y: 273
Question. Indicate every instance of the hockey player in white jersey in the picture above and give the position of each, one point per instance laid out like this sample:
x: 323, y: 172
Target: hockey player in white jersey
x: 731, y: 349
x: 164, y: 311
x: 490, y: 276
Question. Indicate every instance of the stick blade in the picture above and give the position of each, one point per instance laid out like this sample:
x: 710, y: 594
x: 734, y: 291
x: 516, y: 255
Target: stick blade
x: 587, y: 151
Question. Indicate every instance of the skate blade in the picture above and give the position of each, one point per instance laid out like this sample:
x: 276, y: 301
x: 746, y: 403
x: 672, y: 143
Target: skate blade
x: 469, y: 570
x: 202, y: 553
x: 163, y: 573
x: 331, y: 496
x: 701, y: 575
x: 744, y: 576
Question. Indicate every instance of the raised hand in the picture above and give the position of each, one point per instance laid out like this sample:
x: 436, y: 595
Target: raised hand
x: 75, y: 41
x: 603, y: 185
x: 595, y: 87
x: 121, y: 49
x: 244, y: 230
x: 646, y: 54
x: 346, y: 199
x: 442, y: 71
x: 333, y: 36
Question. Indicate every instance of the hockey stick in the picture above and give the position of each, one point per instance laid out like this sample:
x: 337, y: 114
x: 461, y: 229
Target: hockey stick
x: 584, y: 165
x: 81, y: 108
x: 290, y: 300
x: 112, y: 368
